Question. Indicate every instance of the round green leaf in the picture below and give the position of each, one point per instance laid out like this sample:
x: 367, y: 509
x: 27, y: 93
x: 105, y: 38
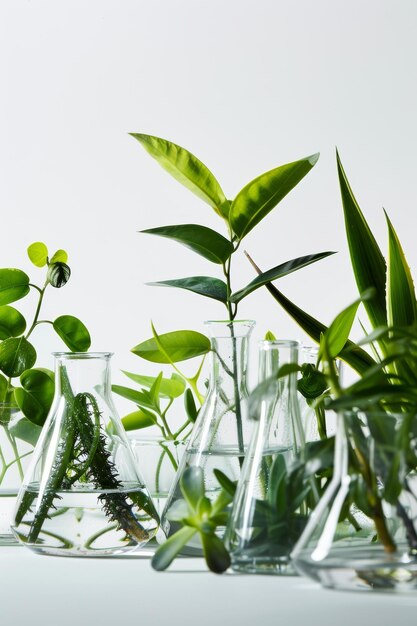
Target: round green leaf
x: 73, y: 333
x: 60, y: 256
x: 35, y: 396
x: 14, y: 284
x: 38, y: 253
x: 58, y: 274
x: 12, y: 322
x: 16, y: 356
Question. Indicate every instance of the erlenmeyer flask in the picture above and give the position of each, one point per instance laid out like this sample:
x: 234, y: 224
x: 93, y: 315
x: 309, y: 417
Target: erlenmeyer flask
x: 221, y: 433
x: 270, y: 509
x: 82, y: 495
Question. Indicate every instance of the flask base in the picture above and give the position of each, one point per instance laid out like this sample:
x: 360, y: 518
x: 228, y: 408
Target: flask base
x: 264, y: 565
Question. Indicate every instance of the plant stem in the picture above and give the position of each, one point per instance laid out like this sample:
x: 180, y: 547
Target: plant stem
x: 38, y: 309
x: 12, y: 442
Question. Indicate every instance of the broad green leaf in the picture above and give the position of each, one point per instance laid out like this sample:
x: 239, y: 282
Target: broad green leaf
x: 278, y: 272
x: 269, y: 336
x: 366, y: 257
x: 16, y: 356
x: 176, y: 346
x: 73, y: 333
x: 203, y: 285
x: 167, y: 552
x: 401, y: 298
x: 60, y: 256
x: 35, y: 396
x: 187, y: 169
x: 337, y: 335
x: 192, y: 486
x: 190, y: 406
x: 4, y: 389
x: 25, y: 430
x: 12, y: 322
x: 170, y: 387
x: 261, y: 195
x: 137, y: 420
x: 58, y: 274
x: 38, y: 254
x: 215, y: 554
x: 205, y: 241
x: 14, y: 285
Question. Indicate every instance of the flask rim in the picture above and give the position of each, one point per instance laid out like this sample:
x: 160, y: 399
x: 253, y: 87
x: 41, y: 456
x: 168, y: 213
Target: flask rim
x: 82, y: 355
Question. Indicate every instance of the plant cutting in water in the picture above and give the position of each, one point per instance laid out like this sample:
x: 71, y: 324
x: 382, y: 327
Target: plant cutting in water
x: 18, y: 355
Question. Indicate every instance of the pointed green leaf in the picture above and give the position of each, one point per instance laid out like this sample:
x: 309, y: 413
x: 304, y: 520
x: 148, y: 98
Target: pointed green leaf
x: 187, y: 169
x: 203, y: 285
x: 14, y: 285
x: 170, y: 387
x: 12, y: 322
x: 38, y: 253
x: 176, y: 346
x: 130, y: 394
x: 261, y: 195
x: 35, y: 396
x: 205, y: 241
x: 278, y: 272
x: 401, y: 298
x: 137, y: 420
x: 16, y: 356
x: 73, y: 333
x: 269, y: 336
x: 60, y: 256
x: 167, y: 552
x: 190, y: 406
x: 367, y: 260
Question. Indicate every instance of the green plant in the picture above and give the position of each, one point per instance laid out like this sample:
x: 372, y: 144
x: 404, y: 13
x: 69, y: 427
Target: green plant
x: 18, y: 355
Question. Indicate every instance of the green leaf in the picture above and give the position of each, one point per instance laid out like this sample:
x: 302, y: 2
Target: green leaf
x: 167, y: 552
x: 128, y: 393
x: 338, y: 332
x: 401, y: 298
x: 367, y: 260
x: 225, y: 483
x: 269, y: 336
x: 203, y: 285
x: 187, y: 169
x: 278, y: 272
x: 261, y: 195
x: 137, y: 420
x: 16, y: 356
x: 60, y: 256
x: 25, y: 430
x: 192, y: 486
x: 173, y: 347
x: 35, y: 396
x: 14, y: 285
x: 38, y: 254
x: 73, y: 333
x: 170, y: 387
x: 58, y: 274
x: 4, y: 389
x: 215, y: 554
x: 12, y: 322
x: 205, y: 241
x: 190, y: 406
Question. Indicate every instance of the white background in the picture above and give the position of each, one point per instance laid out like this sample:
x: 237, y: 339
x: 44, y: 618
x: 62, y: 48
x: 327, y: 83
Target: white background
x: 246, y: 86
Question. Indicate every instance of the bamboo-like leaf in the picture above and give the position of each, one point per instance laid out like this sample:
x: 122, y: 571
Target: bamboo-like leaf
x: 170, y: 387
x: 203, y: 285
x: 278, y: 272
x: 263, y: 193
x: 401, y: 298
x: 175, y: 346
x: 366, y: 257
x: 187, y: 169
x: 337, y: 335
x: 205, y: 241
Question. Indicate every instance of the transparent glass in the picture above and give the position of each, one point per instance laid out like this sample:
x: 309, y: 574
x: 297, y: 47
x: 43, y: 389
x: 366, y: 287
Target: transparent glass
x: 221, y: 433
x: 375, y: 547
x: 82, y: 494
x: 17, y: 439
x: 269, y: 511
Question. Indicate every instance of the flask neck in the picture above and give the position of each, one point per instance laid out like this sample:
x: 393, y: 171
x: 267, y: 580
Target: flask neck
x: 82, y: 373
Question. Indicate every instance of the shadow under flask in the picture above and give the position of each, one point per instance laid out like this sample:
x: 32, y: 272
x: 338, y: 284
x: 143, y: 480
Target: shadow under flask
x: 221, y: 433
x: 269, y: 508
x: 82, y: 494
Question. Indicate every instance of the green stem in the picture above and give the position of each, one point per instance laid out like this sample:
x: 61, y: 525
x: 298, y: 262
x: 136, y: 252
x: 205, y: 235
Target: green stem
x: 17, y: 457
x: 38, y: 309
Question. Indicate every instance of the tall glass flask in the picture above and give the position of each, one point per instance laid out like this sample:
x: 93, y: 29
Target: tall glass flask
x: 82, y: 495
x: 269, y: 509
x: 221, y: 433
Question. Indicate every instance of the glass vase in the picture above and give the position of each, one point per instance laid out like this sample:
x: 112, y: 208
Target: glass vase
x: 17, y: 438
x: 269, y: 509
x: 221, y: 433
x: 82, y: 494
x: 363, y: 533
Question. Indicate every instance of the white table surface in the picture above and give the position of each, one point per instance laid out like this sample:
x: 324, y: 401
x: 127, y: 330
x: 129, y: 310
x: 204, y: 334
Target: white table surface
x: 54, y: 591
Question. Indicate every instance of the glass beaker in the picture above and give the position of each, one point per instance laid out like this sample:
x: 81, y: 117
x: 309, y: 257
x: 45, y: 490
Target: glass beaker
x: 82, y: 494
x: 221, y: 433
x: 270, y: 506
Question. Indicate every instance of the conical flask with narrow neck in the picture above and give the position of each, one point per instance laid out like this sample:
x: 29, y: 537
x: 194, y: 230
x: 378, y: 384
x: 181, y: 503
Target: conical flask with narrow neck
x: 222, y: 432
x: 269, y: 510
x: 82, y: 494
